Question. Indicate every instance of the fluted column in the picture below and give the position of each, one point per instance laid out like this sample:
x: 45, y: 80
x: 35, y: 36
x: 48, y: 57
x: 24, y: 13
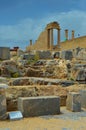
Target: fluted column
x: 59, y: 38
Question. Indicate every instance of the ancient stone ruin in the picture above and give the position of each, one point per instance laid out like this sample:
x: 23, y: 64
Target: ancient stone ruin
x: 45, y: 40
x: 45, y: 77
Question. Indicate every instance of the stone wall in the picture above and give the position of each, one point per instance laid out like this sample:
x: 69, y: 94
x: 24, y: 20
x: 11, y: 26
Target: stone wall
x: 71, y: 44
x: 41, y: 43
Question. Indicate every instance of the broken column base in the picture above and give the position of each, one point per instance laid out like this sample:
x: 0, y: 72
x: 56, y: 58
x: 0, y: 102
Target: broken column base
x: 38, y: 106
x: 73, y: 102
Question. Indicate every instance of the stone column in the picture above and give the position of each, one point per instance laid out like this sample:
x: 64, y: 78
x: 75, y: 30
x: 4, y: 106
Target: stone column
x: 48, y: 38
x: 72, y: 34
x: 30, y: 42
x: 51, y: 38
x: 66, y: 34
x: 59, y: 38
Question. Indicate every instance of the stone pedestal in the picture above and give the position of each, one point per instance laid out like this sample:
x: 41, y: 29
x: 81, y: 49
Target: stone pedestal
x: 83, y: 98
x: 73, y: 102
x: 2, y: 104
x: 38, y: 106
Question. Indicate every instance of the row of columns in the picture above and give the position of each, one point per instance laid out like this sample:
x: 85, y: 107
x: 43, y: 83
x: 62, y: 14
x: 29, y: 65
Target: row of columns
x: 66, y: 34
x: 51, y: 39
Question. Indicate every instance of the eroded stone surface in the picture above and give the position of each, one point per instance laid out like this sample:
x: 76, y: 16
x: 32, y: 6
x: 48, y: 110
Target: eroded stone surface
x: 2, y: 106
x: 37, y: 106
x: 83, y: 98
x: 73, y: 102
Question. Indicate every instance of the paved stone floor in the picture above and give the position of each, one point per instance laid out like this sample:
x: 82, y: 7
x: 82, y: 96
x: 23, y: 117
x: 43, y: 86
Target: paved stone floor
x: 65, y: 121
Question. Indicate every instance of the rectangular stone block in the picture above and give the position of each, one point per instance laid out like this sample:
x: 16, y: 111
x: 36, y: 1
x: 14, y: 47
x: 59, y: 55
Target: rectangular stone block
x: 83, y: 98
x: 38, y: 106
x: 3, y: 107
x: 73, y: 102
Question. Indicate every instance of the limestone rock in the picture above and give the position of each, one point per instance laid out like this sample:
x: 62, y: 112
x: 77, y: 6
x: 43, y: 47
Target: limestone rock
x: 30, y: 72
x: 83, y: 98
x: 40, y: 81
x: 38, y: 106
x: 79, y: 72
x: 81, y: 54
x: 67, y: 55
x: 9, y: 68
x: 3, y: 107
x: 44, y: 54
x: 73, y: 102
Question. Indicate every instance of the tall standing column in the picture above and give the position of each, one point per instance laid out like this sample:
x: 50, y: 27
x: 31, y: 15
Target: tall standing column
x: 72, y: 34
x: 51, y: 38
x: 58, y: 38
x: 66, y: 34
x: 30, y: 42
x: 48, y: 38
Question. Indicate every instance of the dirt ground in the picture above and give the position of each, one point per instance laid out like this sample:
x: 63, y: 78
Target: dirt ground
x: 65, y: 121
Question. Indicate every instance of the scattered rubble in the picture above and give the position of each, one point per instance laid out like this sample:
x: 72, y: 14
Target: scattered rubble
x: 43, y: 73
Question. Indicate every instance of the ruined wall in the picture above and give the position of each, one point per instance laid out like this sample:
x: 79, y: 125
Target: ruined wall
x: 77, y: 42
x: 45, y: 40
x: 41, y: 43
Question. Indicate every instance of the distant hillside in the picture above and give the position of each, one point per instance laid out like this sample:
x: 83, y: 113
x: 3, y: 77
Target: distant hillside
x: 77, y: 42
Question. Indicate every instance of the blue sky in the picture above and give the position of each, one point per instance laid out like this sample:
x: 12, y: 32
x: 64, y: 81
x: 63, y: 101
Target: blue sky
x: 22, y: 20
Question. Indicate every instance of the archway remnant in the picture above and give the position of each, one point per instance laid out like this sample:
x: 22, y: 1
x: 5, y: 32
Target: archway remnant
x: 50, y: 39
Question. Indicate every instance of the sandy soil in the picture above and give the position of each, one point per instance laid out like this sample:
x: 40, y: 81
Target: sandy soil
x: 66, y: 121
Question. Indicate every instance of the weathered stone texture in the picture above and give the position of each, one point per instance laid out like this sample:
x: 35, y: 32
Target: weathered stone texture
x: 2, y: 103
x: 45, y: 40
x: 79, y: 72
x: 75, y: 43
x: 44, y: 54
x: 68, y: 55
x: 41, y: 81
x: 4, y: 53
x: 41, y: 43
x: 38, y: 106
x: 73, y: 102
x: 83, y: 98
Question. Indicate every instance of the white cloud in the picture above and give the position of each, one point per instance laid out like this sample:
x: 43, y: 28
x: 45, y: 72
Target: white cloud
x: 31, y: 28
